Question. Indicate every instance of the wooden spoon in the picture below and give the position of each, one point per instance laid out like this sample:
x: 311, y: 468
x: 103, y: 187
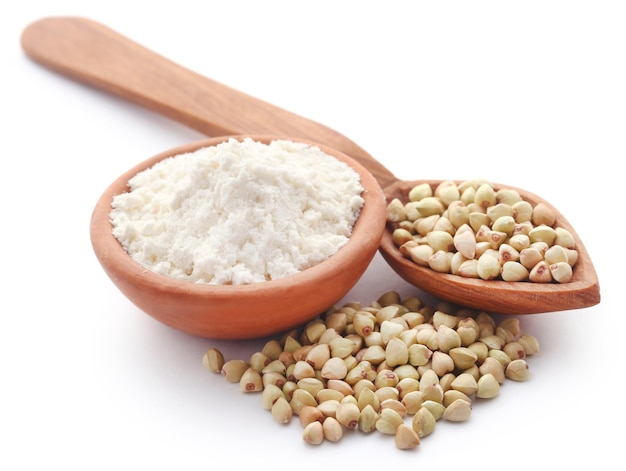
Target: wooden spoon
x: 91, y: 53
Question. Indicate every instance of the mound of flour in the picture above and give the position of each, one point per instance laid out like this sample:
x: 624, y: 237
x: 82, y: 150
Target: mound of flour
x: 237, y: 213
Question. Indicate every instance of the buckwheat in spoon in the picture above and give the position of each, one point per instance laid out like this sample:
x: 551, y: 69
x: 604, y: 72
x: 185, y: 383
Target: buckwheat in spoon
x: 432, y: 233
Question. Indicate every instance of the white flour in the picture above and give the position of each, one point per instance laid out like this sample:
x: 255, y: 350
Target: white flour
x: 238, y: 213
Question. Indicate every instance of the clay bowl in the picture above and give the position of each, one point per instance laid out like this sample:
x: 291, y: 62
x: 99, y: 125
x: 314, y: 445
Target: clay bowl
x: 240, y: 311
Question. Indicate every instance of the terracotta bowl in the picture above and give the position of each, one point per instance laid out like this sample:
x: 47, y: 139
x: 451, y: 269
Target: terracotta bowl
x: 240, y: 311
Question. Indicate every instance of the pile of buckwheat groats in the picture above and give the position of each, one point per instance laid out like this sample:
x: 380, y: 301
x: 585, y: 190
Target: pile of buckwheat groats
x: 396, y: 366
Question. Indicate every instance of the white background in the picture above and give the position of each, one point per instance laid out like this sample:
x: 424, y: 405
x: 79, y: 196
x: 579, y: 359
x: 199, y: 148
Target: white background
x: 528, y: 93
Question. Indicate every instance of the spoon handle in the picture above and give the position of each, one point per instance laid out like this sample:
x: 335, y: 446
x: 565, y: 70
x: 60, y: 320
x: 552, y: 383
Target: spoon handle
x: 92, y: 53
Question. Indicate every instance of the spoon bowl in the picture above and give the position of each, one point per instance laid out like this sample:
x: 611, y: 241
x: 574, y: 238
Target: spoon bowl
x: 89, y: 52
x: 240, y: 311
x: 504, y: 297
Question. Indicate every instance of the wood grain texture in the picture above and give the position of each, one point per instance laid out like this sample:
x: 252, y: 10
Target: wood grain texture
x: 89, y: 52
